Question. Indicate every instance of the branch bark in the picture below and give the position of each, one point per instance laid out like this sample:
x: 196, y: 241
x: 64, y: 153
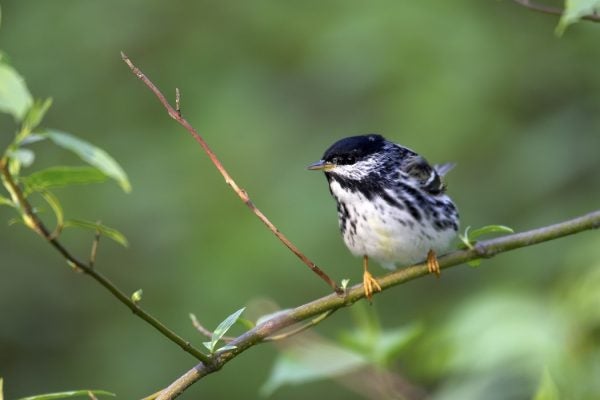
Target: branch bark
x: 484, y: 249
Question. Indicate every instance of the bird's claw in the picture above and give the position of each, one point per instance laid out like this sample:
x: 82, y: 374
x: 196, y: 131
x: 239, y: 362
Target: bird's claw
x: 432, y: 264
x: 370, y: 284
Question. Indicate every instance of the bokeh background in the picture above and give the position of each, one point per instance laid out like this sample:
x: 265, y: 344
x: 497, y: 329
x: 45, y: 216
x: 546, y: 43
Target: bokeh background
x: 270, y: 85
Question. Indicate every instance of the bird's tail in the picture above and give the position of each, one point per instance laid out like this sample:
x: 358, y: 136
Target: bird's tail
x: 443, y: 169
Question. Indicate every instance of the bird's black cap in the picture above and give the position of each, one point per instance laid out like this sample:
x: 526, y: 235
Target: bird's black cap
x: 354, y: 148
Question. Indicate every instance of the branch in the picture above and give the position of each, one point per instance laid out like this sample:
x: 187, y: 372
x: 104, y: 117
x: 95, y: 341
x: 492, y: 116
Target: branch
x: 552, y: 10
x: 332, y: 302
x: 175, y: 113
x: 34, y: 222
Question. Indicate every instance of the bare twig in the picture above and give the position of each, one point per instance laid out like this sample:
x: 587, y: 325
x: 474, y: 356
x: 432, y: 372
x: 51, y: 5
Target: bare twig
x: 34, y: 222
x: 317, y: 320
x: 94, y: 250
x: 552, y: 10
x: 484, y: 249
x: 200, y: 328
x: 178, y: 102
x: 242, y: 194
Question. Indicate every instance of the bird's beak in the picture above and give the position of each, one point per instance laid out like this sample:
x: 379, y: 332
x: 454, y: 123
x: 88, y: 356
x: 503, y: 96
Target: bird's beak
x: 321, y: 166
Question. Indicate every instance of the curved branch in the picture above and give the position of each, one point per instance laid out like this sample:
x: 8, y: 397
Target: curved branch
x: 175, y: 113
x: 332, y: 302
x: 34, y: 222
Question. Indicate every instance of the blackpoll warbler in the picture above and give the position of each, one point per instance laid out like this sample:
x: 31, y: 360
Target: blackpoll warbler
x: 391, y: 203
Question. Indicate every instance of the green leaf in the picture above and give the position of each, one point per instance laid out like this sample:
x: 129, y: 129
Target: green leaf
x: 15, y: 98
x: 222, y: 330
x: 36, y: 113
x: 104, y: 230
x: 91, y: 154
x: 62, y: 176
x: 6, y: 202
x: 136, y: 297
x: 226, y: 325
x: 468, y: 238
x: 345, y: 283
x: 547, y: 389
x: 474, y: 234
x: 68, y: 395
x: 311, y: 361
x: 227, y: 347
x: 25, y: 157
x: 52, y: 200
x: 474, y: 263
x: 574, y: 11
x: 32, y: 138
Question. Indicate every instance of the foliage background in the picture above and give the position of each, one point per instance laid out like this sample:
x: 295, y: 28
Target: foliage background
x: 270, y: 85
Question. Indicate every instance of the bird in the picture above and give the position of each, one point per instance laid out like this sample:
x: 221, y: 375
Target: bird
x: 392, y: 204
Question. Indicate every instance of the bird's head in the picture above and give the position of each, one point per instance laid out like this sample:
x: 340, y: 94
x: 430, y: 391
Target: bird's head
x: 353, y: 157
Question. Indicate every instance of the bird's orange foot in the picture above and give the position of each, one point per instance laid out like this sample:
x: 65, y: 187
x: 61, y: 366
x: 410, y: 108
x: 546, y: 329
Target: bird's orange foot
x: 432, y: 264
x: 370, y: 284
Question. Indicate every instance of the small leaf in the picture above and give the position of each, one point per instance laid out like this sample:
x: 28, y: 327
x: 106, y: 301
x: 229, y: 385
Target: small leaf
x: 474, y: 263
x: 210, y: 346
x: 62, y: 176
x: 104, y: 230
x: 52, y: 200
x: 32, y: 138
x: 246, y: 323
x: 136, y: 297
x: 227, y: 347
x: 225, y: 325
x: 464, y: 238
x: 345, y: 283
x: 15, y: 98
x: 474, y: 234
x: 91, y: 154
x: 67, y: 395
x: 24, y: 156
x: 36, y: 113
x: 6, y: 202
x: 574, y: 11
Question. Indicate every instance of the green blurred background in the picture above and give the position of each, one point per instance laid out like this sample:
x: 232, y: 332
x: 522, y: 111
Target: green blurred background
x: 270, y: 85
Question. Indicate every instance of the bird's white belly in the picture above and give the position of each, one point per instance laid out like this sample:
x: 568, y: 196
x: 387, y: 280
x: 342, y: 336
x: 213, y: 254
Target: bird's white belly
x: 389, y: 235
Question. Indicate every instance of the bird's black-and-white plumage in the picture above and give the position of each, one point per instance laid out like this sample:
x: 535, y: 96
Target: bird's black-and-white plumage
x: 391, y: 203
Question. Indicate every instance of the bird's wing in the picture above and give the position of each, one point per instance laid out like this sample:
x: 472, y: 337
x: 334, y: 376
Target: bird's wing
x: 426, y: 176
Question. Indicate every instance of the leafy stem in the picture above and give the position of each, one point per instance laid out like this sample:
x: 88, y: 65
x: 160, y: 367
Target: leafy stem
x: 35, y: 223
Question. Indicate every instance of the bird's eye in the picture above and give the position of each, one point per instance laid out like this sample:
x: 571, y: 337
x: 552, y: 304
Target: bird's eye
x: 335, y: 160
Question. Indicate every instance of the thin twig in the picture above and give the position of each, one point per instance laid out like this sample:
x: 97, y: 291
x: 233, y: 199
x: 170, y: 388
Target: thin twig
x: 34, y: 222
x: 178, y: 102
x: 94, y: 250
x: 242, y: 194
x: 302, y: 328
x: 552, y: 10
x: 483, y: 249
x: 200, y: 328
